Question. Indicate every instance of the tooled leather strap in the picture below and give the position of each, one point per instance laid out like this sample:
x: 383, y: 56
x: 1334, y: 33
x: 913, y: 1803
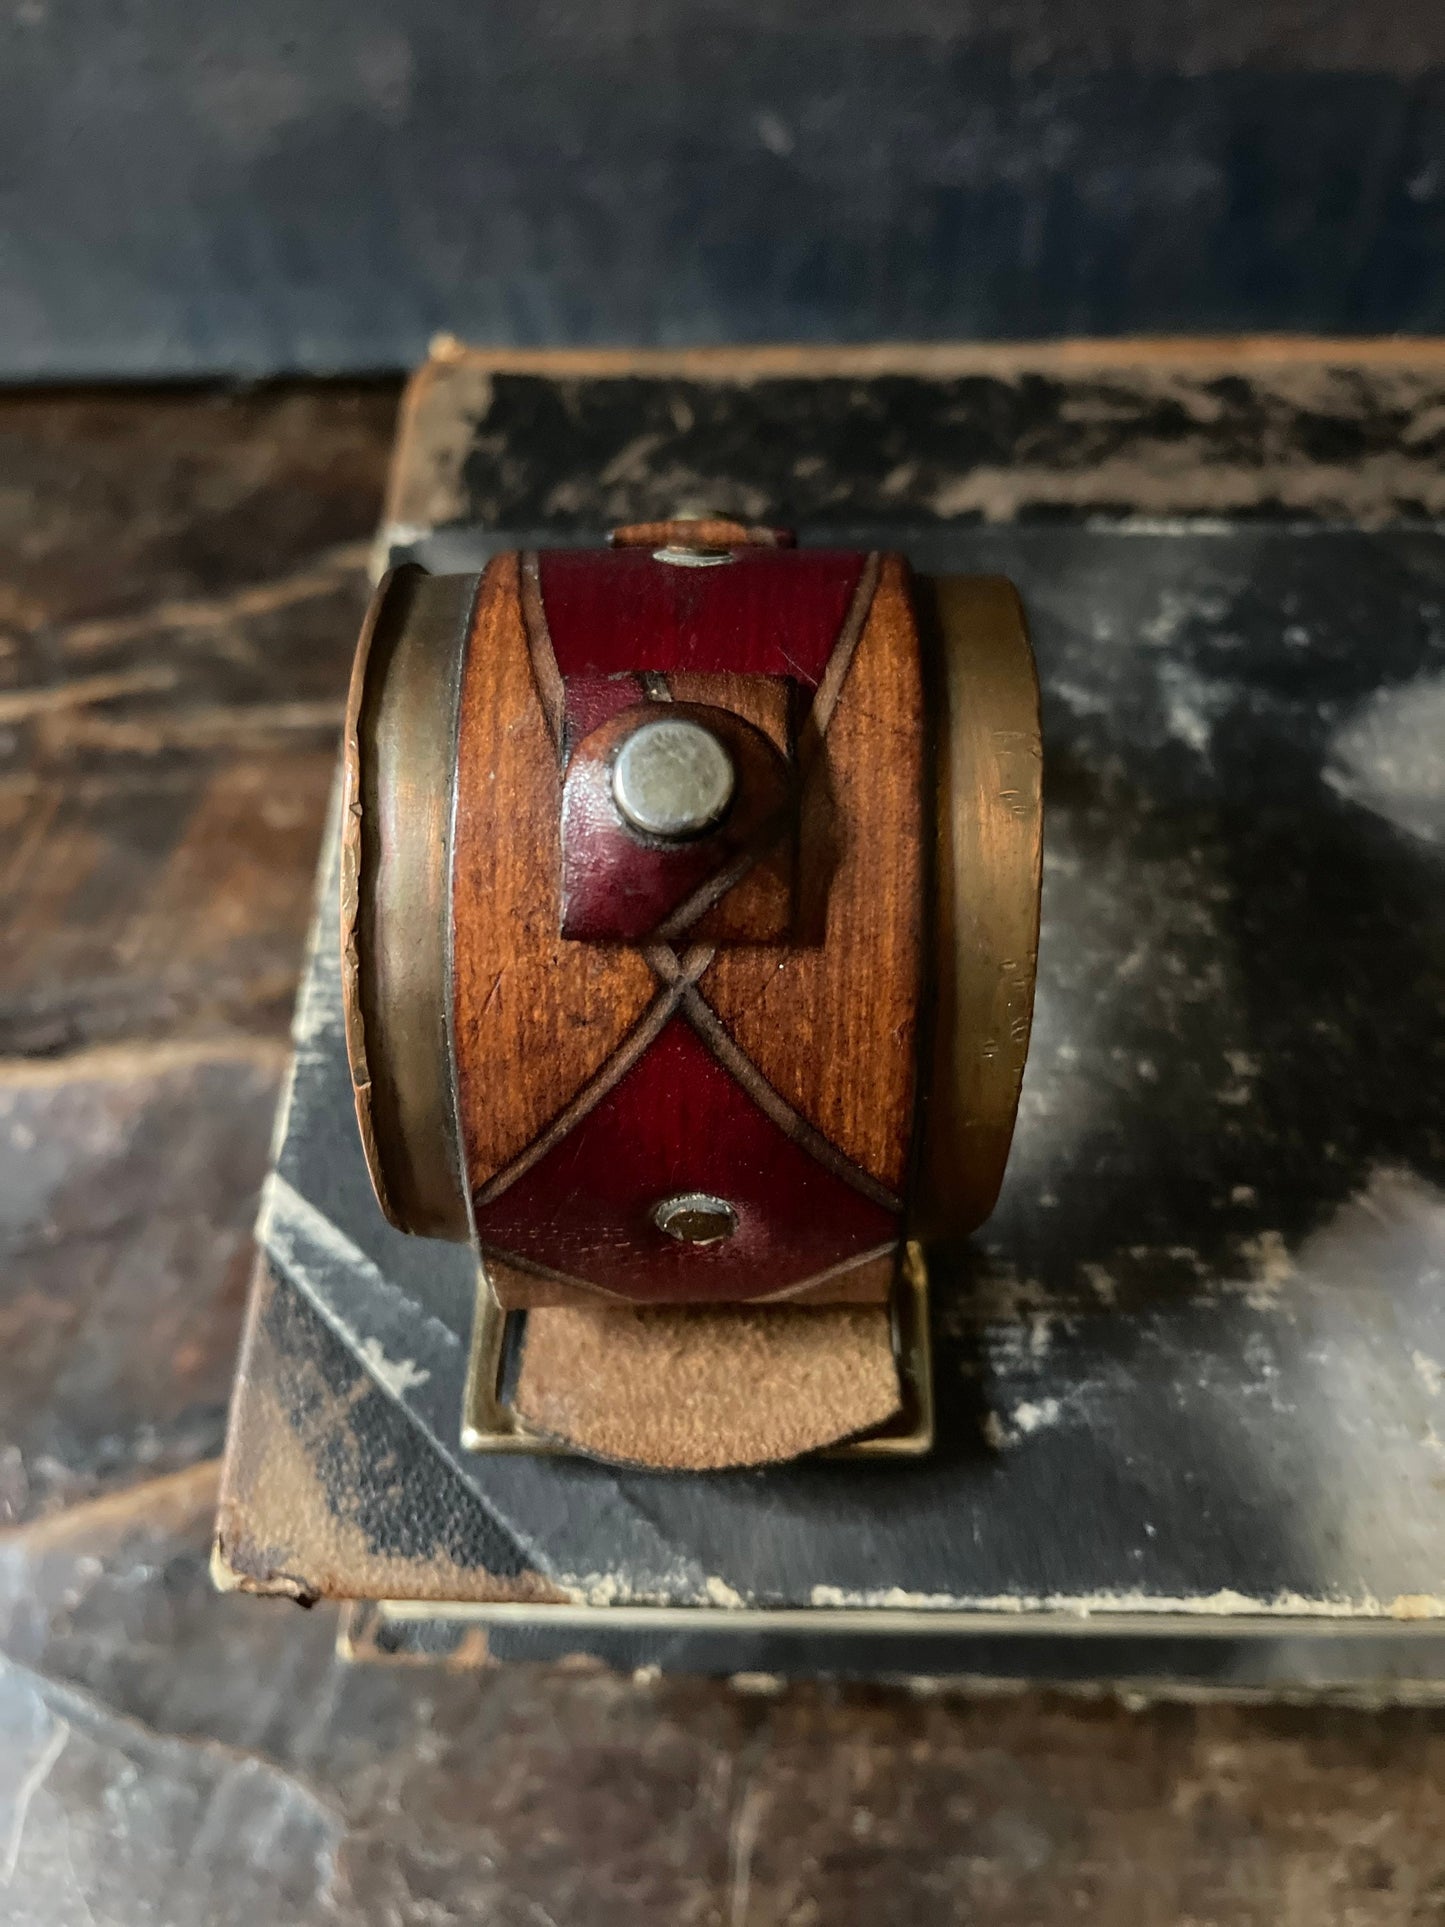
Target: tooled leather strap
x: 730, y: 1021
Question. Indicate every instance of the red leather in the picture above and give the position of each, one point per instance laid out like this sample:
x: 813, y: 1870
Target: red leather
x: 766, y: 612
x: 618, y: 886
x: 678, y: 1122
x: 590, y: 701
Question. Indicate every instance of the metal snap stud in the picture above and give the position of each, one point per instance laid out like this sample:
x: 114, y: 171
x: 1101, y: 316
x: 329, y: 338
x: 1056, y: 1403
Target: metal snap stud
x: 695, y: 1218
x: 672, y: 778
x: 678, y: 558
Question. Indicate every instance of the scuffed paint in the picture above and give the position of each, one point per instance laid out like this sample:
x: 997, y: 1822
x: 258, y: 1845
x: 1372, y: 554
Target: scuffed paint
x: 1387, y: 757
x: 398, y: 1375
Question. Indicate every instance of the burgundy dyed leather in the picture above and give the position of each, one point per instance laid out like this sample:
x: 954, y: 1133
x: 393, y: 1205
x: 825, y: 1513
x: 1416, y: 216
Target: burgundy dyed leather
x: 765, y: 612
x: 678, y: 1122
x: 619, y: 886
x: 590, y: 701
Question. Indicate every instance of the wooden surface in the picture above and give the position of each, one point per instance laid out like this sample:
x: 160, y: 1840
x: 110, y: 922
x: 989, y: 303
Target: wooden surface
x: 171, y: 1756
x: 180, y: 583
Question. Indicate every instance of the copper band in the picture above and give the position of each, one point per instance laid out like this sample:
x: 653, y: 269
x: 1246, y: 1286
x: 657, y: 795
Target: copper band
x: 400, y: 759
x: 987, y: 861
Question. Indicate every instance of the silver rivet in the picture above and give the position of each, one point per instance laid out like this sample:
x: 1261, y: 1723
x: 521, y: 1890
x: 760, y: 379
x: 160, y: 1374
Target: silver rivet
x: 695, y: 1218
x: 677, y: 558
x: 672, y: 778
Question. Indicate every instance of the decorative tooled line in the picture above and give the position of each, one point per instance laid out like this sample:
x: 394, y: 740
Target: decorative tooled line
x: 709, y: 1026
x: 835, y: 672
x: 545, y: 673
x: 587, y: 1290
x: 602, y: 1081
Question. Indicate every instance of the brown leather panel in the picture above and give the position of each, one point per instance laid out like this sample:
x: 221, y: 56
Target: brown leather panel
x: 523, y: 1288
x: 536, y: 1016
x: 769, y: 703
x: 758, y: 908
x: 831, y: 1025
x: 698, y: 1390
x: 867, y: 1283
x: 518, y: 1288
x: 764, y: 898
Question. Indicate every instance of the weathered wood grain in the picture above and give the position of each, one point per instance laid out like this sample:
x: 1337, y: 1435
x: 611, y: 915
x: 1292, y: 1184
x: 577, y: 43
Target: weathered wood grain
x: 180, y: 581
x: 181, y: 584
x: 162, y: 900
x: 128, y: 1181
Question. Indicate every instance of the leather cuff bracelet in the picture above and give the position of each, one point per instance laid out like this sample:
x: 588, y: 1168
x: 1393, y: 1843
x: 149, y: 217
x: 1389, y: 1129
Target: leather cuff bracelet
x: 690, y: 904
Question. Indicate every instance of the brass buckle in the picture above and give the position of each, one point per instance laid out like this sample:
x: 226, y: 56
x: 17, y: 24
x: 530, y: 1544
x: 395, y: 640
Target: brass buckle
x: 489, y: 1424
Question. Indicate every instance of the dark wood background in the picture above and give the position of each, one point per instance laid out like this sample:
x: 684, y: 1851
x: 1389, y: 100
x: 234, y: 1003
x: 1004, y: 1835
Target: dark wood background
x: 181, y: 579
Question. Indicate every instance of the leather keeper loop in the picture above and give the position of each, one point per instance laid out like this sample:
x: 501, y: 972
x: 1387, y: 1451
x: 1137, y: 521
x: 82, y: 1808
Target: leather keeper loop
x: 699, y: 532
